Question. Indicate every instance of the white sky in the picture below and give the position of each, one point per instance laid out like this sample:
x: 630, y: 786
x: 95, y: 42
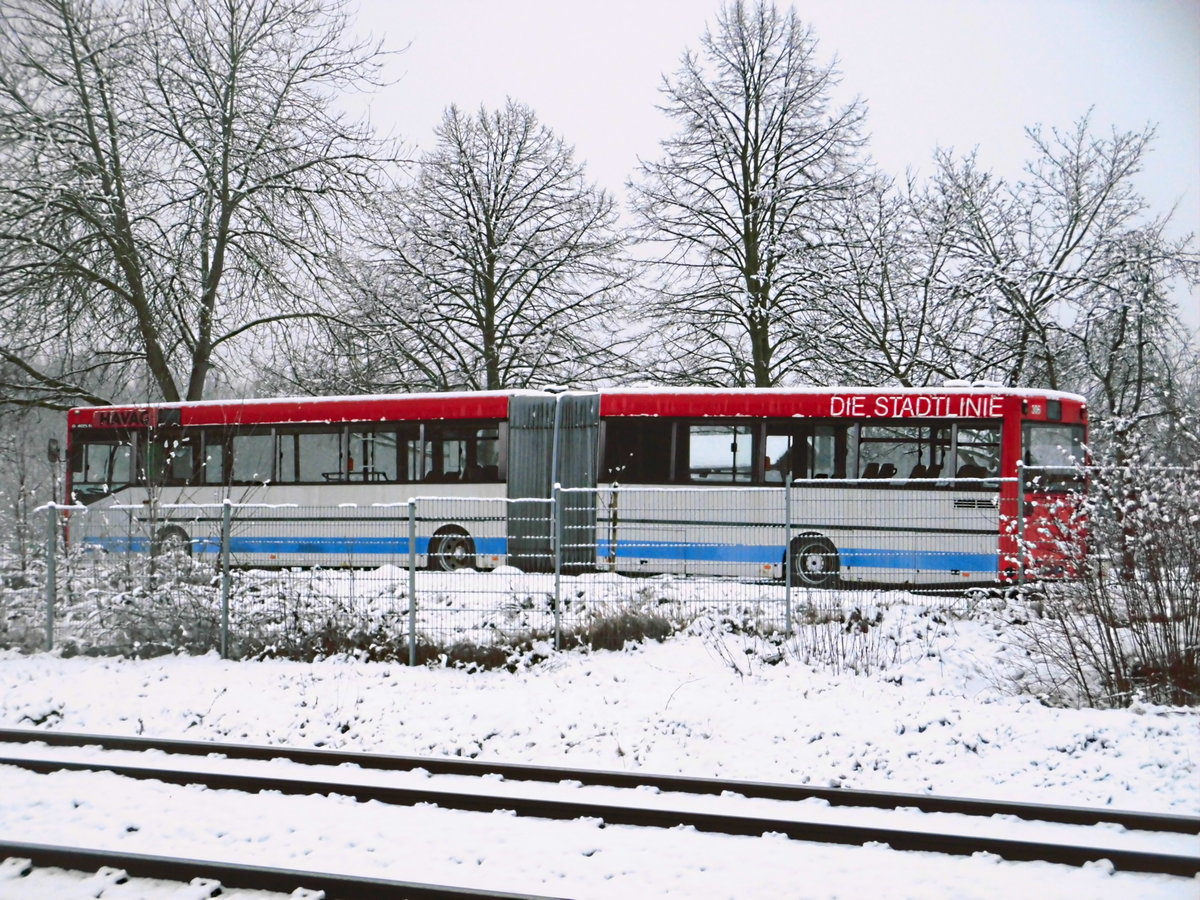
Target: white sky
x: 956, y: 73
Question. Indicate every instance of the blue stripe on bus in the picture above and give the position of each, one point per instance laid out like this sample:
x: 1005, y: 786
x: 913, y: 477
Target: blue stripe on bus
x: 850, y: 557
x: 743, y: 553
x: 924, y: 560
x: 328, y: 546
x: 751, y: 554
x: 117, y: 544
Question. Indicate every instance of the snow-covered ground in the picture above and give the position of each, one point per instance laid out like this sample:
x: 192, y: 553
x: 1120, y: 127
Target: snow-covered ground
x: 937, y: 712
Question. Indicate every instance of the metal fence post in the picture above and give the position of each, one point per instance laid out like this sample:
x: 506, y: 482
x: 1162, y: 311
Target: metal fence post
x: 556, y: 548
x: 51, y: 570
x: 787, y: 553
x: 412, y: 582
x: 226, y: 529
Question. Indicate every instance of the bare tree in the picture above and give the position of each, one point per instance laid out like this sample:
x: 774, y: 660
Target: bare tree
x: 1041, y: 250
x: 736, y: 201
x: 1073, y: 271
x: 498, y: 267
x: 175, y: 176
x: 887, y: 317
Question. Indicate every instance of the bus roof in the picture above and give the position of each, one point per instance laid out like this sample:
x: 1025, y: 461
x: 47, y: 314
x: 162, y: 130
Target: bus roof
x: 949, y: 401
x: 301, y: 410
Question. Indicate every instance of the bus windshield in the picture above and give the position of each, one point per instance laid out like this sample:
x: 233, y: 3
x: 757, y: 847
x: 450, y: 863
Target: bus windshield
x: 101, y: 467
x: 1054, y: 456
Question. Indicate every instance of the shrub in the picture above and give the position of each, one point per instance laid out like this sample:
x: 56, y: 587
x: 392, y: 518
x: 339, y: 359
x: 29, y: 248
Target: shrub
x: 1127, y: 627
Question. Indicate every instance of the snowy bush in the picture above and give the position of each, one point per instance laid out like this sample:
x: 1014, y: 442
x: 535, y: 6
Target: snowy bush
x: 862, y: 635
x: 1127, y: 627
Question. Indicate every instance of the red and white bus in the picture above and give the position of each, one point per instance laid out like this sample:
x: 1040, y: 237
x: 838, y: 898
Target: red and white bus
x: 905, y: 486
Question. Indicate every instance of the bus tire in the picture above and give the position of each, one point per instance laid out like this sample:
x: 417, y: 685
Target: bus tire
x: 451, y: 549
x: 814, y: 562
x: 171, y: 541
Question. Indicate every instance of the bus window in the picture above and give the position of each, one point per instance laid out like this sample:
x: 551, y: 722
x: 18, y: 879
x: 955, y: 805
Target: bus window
x: 252, y: 458
x: 720, y: 453
x: 826, y: 452
x: 171, y: 459
x: 374, y: 455
x: 909, y: 452
x: 1054, y: 455
x: 99, y: 468
x: 310, y: 457
x: 805, y: 452
x: 977, y: 451
x: 213, y: 463
x: 778, y: 458
x: 637, y: 450
x: 483, y: 461
x: 461, y: 453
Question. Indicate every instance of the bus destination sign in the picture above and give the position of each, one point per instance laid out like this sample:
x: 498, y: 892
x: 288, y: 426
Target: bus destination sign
x: 113, y: 417
x: 899, y: 406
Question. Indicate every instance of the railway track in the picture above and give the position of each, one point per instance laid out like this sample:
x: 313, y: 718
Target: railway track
x: 707, y: 805
x: 212, y: 878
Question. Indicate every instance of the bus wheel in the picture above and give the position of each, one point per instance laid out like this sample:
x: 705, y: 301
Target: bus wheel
x: 814, y: 562
x: 451, y: 549
x: 172, y: 541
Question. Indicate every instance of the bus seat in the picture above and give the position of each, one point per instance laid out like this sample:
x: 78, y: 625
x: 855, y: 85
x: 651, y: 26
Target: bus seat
x: 887, y: 470
x: 871, y: 471
x: 918, y: 471
x: 970, y: 470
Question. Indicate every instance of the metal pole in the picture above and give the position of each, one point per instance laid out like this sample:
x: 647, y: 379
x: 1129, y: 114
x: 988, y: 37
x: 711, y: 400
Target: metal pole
x: 51, y: 570
x: 1020, y: 526
x: 412, y: 582
x: 787, y: 552
x: 226, y: 530
x: 556, y: 546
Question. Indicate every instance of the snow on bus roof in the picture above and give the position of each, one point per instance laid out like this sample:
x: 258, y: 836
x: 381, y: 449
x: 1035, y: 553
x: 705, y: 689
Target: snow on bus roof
x: 327, y: 398
x: 985, y: 387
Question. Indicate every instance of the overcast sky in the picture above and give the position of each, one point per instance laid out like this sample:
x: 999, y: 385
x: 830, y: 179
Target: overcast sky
x: 955, y: 73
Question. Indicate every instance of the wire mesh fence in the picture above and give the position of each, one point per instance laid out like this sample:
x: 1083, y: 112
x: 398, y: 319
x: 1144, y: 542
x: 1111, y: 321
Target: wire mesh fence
x: 451, y: 576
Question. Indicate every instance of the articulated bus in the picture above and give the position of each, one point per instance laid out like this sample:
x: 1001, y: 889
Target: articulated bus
x: 903, y: 486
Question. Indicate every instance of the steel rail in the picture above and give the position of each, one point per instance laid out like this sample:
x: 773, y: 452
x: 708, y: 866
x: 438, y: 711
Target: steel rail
x: 439, y: 765
x: 646, y: 816
x: 243, y: 877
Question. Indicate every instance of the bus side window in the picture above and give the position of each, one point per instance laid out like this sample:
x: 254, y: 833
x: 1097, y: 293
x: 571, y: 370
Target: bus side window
x: 720, y: 454
x: 483, y: 456
x: 637, y: 450
x: 826, y: 453
x: 373, y: 455
x: 462, y: 453
x: 171, y: 459
x: 252, y: 455
x: 213, y: 463
x: 977, y: 449
x: 777, y: 462
x: 310, y: 457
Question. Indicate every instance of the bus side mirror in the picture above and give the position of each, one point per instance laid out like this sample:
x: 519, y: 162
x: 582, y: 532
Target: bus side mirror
x: 52, y: 450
